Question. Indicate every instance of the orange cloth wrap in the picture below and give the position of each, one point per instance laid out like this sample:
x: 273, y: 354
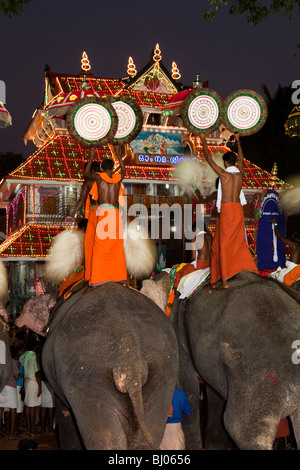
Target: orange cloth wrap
x: 292, y: 276
x: 90, y: 233
x: 89, y: 240
x: 75, y: 277
x: 230, y: 253
x: 215, y: 274
x: 189, y: 268
x: 108, y: 257
x: 87, y: 207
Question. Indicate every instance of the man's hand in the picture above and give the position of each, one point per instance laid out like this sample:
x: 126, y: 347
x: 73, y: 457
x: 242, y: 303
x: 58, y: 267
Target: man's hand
x: 202, y: 137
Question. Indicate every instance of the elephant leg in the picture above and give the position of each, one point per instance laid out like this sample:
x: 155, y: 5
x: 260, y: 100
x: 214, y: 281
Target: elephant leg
x: 101, y: 425
x: 68, y: 435
x: 295, y: 420
x: 252, y: 419
x: 215, y: 436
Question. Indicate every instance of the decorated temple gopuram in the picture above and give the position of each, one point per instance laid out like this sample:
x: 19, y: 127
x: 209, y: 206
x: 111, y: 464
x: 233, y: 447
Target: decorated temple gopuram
x: 40, y: 194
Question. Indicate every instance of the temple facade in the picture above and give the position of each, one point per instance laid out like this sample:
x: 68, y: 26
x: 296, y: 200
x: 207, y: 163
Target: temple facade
x: 40, y: 194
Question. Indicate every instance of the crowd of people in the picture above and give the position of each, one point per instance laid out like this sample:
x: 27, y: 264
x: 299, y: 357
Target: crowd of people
x: 27, y: 402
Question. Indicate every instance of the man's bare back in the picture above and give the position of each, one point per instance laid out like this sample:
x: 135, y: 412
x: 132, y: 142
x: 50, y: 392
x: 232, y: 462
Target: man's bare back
x: 231, y: 186
x: 108, y: 192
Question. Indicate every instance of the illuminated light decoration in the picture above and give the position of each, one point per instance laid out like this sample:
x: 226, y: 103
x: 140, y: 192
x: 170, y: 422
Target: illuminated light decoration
x: 115, y: 87
x: 292, y: 124
x: 109, y: 86
x: 61, y: 156
x: 154, y: 81
x: 16, y: 210
x: 130, y: 119
x: 59, y: 106
x: 147, y: 98
x: 175, y: 71
x: 85, y: 63
x: 5, y: 117
x: 92, y: 122
x: 157, y: 54
x: 245, y: 111
x: 202, y: 111
x: 169, y: 160
x: 70, y: 154
x: 31, y: 240
x: 131, y: 70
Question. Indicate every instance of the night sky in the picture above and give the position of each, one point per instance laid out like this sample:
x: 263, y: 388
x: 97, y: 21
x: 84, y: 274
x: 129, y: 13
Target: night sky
x: 230, y: 53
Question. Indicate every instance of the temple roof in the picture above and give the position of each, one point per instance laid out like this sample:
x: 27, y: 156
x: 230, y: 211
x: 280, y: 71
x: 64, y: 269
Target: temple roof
x: 63, y: 159
x: 30, y: 241
x: 152, y: 86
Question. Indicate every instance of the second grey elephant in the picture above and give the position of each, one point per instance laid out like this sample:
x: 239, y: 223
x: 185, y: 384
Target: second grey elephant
x: 240, y: 342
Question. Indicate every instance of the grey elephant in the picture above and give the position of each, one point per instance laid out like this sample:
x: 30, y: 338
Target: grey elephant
x: 242, y: 342
x: 111, y: 358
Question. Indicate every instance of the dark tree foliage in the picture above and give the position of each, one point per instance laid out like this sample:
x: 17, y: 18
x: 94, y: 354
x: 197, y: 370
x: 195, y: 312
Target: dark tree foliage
x: 12, y: 7
x: 271, y: 144
x: 255, y: 11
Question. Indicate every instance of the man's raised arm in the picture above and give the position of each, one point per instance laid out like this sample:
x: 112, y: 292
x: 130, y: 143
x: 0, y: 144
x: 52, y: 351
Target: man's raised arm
x: 208, y: 156
x: 87, y: 171
x: 122, y: 166
x: 240, y: 157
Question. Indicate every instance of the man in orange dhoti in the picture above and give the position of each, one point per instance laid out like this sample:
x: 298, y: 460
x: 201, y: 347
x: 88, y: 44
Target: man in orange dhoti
x: 230, y: 253
x: 90, y: 207
x: 108, y: 257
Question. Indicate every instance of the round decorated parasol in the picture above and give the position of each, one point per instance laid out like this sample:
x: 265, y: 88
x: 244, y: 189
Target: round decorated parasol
x: 130, y: 119
x: 92, y: 121
x: 59, y: 106
x: 245, y: 111
x: 202, y: 111
x: 5, y: 117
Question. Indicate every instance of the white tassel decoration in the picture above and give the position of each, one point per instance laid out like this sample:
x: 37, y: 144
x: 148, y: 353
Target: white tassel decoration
x: 289, y: 202
x: 67, y: 256
x: 140, y: 250
x: 192, y: 176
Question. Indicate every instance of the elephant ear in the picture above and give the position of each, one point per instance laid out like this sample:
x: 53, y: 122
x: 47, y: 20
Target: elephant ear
x: 66, y: 257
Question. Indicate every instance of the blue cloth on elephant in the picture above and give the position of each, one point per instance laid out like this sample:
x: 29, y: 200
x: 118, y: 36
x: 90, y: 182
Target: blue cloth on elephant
x: 180, y: 405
